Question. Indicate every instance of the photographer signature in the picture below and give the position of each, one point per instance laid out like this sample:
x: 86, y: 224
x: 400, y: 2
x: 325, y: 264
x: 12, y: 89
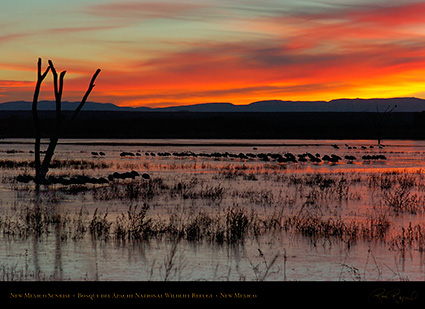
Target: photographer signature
x: 393, y: 295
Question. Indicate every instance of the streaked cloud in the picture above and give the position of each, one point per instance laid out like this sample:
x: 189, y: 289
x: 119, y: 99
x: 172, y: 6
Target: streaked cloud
x: 143, y: 9
x: 179, y: 52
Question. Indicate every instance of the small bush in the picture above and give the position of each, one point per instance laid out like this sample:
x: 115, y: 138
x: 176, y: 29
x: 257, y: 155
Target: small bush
x: 100, y: 226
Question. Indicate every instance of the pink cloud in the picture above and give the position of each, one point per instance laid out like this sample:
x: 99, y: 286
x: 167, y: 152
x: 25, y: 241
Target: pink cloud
x: 143, y: 10
x: 343, y: 24
x: 11, y: 37
x: 396, y: 15
x: 81, y: 29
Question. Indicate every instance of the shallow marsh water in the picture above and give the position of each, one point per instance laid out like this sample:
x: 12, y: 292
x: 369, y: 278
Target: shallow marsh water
x: 353, y: 220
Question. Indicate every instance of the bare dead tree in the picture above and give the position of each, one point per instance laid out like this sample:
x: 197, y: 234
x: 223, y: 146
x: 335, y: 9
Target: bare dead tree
x: 378, y: 120
x: 41, y: 169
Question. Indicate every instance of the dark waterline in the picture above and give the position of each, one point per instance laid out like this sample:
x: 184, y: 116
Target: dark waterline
x: 194, y: 125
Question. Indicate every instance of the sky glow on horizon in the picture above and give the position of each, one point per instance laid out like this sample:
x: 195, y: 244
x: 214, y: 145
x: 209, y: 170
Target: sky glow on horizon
x: 170, y: 52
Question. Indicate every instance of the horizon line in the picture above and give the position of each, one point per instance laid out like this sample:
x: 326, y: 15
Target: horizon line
x: 234, y: 104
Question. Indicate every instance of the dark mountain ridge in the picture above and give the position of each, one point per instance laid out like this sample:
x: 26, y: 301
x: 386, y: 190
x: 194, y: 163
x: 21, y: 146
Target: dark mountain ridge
x: 340, y: 105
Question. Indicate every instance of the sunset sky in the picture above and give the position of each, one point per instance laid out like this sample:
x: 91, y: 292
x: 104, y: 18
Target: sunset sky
x: 179, y: 52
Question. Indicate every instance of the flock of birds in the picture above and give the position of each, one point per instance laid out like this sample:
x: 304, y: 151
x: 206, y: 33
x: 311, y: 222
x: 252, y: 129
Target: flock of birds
x: 266, y: 157
x: 82, y: 179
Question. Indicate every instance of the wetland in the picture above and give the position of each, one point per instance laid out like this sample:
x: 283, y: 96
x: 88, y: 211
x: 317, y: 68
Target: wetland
x: 214, y: 210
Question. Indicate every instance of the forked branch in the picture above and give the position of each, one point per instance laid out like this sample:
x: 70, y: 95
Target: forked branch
x: 86, y: 95
x: 58, y: 81
x: 58, y: 89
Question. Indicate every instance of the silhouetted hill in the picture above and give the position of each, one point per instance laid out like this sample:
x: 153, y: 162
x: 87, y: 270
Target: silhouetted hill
x: 66, y: 106
x: 340, y: 105
x: 203, y: 107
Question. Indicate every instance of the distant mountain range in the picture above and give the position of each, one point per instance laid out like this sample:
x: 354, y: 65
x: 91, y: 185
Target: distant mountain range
x: 340, y: 105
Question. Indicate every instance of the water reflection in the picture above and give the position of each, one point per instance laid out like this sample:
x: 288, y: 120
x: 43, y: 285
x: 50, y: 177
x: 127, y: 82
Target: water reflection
x: 352, y: 192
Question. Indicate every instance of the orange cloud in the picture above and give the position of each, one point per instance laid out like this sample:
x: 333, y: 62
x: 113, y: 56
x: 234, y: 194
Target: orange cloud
x: 11, y: 90
x: 395, y: 15
x: 364, y: 50
x: 245, y: 71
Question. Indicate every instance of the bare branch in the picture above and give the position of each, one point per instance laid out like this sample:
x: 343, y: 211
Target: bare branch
x: 58, y: 84
x: 55, y: 78
x: 86, y: 95
x: 59, y: 99
x: 61, y: 77
x: 40, y: 78
x: 58, y: 89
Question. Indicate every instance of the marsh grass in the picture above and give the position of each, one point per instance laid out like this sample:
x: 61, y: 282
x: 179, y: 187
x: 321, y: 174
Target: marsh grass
x: 265, y: 268
x: 39, y: 221
x: 230, y: 225
x: 174, y: 263
x: 99, y: 226
x: 403, y: 200
x: 226, y: 208
x: 411, y: 237
x: 134, y: 225
x: 129, y: 190
x: 57, y: 164
x: 264, y: 197
x: 221, y: 225
x: 78, y: 224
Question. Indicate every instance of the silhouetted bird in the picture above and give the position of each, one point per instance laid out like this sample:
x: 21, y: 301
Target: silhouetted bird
x: 64, y: 181
x: 335, y: 157
x: 53, y: 179
x: 350, y: 158
x: 24, y: 178
x: 290, y: 157
x: 242, y: 156
x: 374, y: 157
x: 282, y: 160
x: 263, y: 157
x: 326, y: 158
x: 310, y: 155
x: 315, y: 160
x: 102, y: 180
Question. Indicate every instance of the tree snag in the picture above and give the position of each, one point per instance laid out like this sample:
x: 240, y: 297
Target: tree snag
x: 378, y: 120
x: 40, y: 78
x: 41, y: 169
